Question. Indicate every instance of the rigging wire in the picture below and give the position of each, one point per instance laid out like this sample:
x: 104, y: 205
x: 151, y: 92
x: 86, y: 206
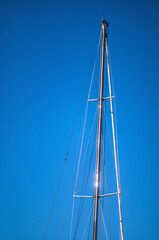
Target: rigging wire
x: 57, y: 193
x: 100, y: 225
x: 84, y: 132
x: 83, y: 185
x: 72, y: 217
x: 116, y: 133
x: 87, y: 146
x: 115, y: 154
x: 102, y: 200
x: 82, y: 140
x: 84, y: 159
x: 89, y: 226
x: 82, y: 199
x: 106, y: 187
x: 99, y: 35
x: 69, y: 185
x: 88, y: 220
x: 116, y: 136
x: 74, y: 125
x: 54, y: 200
x: 103, y: 220
x: 109, y: 133
x: 86, y: 116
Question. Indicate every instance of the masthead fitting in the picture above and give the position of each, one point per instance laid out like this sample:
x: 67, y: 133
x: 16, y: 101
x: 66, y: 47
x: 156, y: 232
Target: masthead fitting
x: 105, y: 22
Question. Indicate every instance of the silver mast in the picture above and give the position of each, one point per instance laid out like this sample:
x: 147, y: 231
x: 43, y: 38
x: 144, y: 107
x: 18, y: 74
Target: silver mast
x: 99, y: 134
x: 114, y: 142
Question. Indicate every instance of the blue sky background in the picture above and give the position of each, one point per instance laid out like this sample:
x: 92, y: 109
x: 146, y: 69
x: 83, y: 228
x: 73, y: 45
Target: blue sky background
x: 45, y: 53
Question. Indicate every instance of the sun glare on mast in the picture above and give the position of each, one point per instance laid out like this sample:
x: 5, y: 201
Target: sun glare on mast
x: 96, y: 181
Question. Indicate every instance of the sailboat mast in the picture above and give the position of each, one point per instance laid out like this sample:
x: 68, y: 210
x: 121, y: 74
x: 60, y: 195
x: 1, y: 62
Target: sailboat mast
x: 99, y: 134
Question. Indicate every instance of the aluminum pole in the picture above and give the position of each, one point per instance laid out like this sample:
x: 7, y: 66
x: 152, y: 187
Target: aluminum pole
x: 99, y: 134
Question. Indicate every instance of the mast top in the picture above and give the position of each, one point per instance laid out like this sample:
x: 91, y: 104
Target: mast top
x: 105, y: 22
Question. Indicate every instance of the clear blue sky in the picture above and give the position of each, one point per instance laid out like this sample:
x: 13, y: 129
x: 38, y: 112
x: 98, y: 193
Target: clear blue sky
x: 45, y: 52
